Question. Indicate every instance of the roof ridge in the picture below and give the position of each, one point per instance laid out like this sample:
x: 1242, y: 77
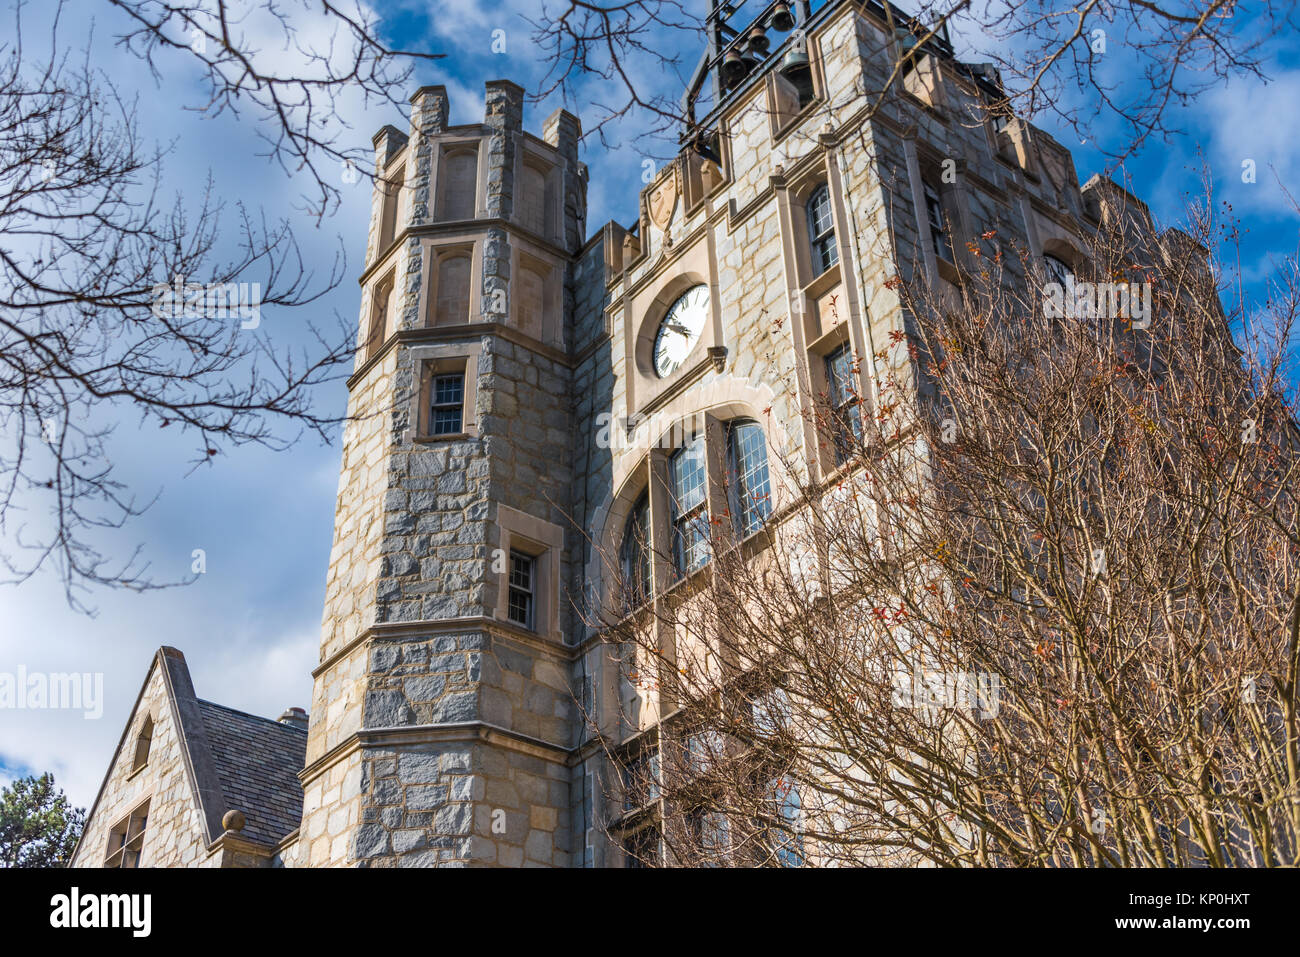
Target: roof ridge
x: 249, y: 714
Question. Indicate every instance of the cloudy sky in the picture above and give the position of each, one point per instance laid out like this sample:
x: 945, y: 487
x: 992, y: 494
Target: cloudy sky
x: 250, y: 625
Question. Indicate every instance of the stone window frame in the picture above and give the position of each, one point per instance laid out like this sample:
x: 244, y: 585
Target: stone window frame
x: 784, y: 118
x: 925, y: 166
x: 525, y: 255
x: 390, y: 185
x: 432, y: 250
x: 143, y: 745
x: 378, y: 328
x: 448, y: 147
x: 440, y: 359
x: 542, y: 541
x: 544, y: 162
x: 819, y: 352
x: 125, y: 833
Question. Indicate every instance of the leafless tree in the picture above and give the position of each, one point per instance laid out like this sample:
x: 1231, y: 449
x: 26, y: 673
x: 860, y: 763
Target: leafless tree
x: 118, y: 306
x: 1048, y: 614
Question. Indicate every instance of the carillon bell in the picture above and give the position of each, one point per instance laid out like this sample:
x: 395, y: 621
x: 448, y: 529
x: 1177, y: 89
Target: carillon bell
x: 734, y: 67
x: 759, y: 44
x: 782, y: 18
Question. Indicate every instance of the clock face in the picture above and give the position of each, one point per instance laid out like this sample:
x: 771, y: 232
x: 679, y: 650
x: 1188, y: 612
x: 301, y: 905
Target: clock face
x: 680, y: 329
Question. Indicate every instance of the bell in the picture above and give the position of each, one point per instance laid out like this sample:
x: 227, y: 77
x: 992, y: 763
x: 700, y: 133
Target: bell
x: 795, y: 64
x: 759, y: 44
x: 734, y: 67
x: 782, y: 18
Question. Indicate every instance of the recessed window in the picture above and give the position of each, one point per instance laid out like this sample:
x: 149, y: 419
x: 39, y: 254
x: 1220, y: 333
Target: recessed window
x: 642, y: 848
x: 522, y: 598
x: 640, y: 781
x: 938, y: 225
x: 821, y: 230
x: 636, y: 552
x: 787, y: 841
x: 845, y: 407
x: 451, y: 299
x: 126, y: 840
x: 142, y: 744
x: 447, y: 404
x: 392, y: 190
x: 690, y: 510
x: 751, y: 491
x: 457, y: 183
x: 380, y: 306
x: 1058, y: 270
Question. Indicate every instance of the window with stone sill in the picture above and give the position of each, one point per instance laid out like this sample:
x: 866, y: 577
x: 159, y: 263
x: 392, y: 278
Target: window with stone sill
x: 845, y: 405
x: 447, y: 404
x: 521, y: 599
x: 381, y: 305
x: 936, y: 221
x: 741, y: 468
x: 635, y: 553
x: 126, y: 839
x: 688, y: 472
x: 457, y: 183
x: 821, y: 230
x: 391, y: 185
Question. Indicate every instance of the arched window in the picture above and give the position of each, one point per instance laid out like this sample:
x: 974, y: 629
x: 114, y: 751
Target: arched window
x: 787, y: 841
x: 635, y: 552
x: 845, y: 408
x: 380, y: 306
x: 690, y: 510
x: 1058, y: 270
x: 142, y: 744
x: 532, y: 199
x: 457, y: 187
x: 751, y: 492
x: 452, y: 305
x: 821, y: 230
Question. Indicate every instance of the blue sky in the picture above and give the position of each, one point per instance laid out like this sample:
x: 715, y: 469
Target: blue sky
x: 250, y: 625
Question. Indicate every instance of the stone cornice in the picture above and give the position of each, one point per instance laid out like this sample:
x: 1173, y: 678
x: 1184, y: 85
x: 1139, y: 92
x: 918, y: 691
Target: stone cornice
x: 397, y: 630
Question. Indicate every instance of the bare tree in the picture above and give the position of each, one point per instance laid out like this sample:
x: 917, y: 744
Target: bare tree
x: 118, y: 306
x: 1048, y: 613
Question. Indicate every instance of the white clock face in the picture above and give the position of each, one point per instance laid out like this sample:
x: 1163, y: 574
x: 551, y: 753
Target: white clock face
x: 680, y: 329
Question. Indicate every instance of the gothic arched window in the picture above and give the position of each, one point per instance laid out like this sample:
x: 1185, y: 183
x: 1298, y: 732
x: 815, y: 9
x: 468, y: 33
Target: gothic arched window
x: 457, y: 186
x: 451, y: 306
x: 821, y: 230
x: 751, y: 492
x: 690, y: 511
x: 1058, y: 270
x: 636, y: 551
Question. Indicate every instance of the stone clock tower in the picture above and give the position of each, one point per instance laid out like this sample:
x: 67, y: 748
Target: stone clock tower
x: 442, y: 710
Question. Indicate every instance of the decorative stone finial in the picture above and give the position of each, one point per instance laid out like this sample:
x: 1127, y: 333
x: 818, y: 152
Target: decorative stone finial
x: 234, y: 821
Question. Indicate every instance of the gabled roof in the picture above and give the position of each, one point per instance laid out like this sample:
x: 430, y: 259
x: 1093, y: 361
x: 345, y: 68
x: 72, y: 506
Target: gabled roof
x: 233, y: 760
x: 257, y: 761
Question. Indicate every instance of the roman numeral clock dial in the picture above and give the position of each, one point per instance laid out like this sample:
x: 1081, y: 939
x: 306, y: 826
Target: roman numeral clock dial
x: 680, y: 329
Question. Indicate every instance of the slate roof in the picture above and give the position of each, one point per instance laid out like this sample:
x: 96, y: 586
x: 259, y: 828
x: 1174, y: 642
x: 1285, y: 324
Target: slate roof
x: 258, y: 761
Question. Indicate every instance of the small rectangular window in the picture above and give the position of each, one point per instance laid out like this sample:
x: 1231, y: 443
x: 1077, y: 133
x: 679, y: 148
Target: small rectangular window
x: 521, y: 598
x: 447, y: 404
